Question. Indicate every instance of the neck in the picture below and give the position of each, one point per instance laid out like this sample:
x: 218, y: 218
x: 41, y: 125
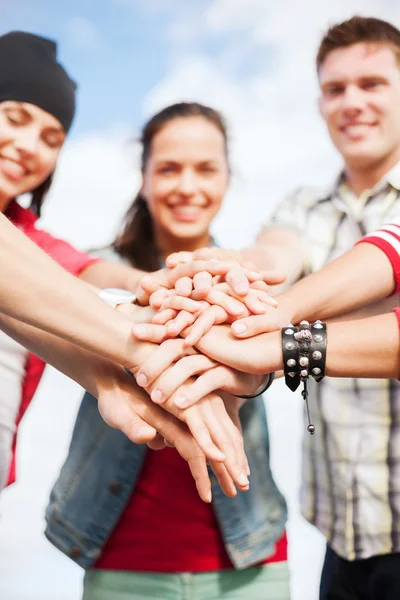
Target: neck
x: 169, y: 244
x: 361, y: 178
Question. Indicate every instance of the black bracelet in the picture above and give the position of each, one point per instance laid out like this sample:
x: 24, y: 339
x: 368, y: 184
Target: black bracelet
x: 318, y: 350
x: 263, y: 388
x: 290, y: 355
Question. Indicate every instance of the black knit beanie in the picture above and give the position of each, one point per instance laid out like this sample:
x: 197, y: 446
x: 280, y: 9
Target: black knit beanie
x: 29, y: 72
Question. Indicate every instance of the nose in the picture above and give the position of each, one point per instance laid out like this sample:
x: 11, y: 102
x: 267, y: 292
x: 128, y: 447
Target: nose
x: 26, y: 141
x: 352, y: 100
x: 186, y: 184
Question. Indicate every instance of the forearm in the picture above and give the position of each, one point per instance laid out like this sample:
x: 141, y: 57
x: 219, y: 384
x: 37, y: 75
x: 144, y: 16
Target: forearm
x: 82, y: 366
x: 34, y: 289
x: 105, y: 274
x: 364, y: 348
x: 361, y: 276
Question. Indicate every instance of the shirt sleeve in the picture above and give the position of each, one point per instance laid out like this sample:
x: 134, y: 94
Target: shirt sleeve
x: 387, y: 238
x: 72, y: 260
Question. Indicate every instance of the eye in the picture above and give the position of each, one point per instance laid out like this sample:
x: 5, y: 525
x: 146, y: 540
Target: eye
x: 334, y: 90
x: 369, y: 85
x: 14, y: 118
x: 208, y: 169
x: 53, y: 140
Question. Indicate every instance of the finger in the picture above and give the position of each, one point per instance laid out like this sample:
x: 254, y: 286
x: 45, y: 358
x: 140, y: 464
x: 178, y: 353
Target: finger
x: 157, y: 443
x: 201, y: 433
x: 150, y: 284
x: 157, y: 298
x: 161, y: 318
x: 181, y: 303
x: 196, y: 460
x: 238, y: 281
x: 273, y: 277
x: 209, y: 381
x: 202, y: 283
x: 176, y: 258
x: 231, y: 305
x: 184, y: 286
x: 224, y: 435
x: 204, y: 253
x: 161, y: 359
x: 180, y: 322
x: 150, y: 332
x: 172, y: 379
x: 250, y: 326
x: 207, y: 318
x: 224, y: 479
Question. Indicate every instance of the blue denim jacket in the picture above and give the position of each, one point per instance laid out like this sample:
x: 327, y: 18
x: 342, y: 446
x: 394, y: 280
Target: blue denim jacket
x: 102, y: 467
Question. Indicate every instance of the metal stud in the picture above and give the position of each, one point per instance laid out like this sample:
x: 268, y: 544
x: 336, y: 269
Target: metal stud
x: 289, y: 332
x: 304, y: 323
x: 291, y: 374
x: 317, y: 355
x: 291, y: 362
x: 304, y: 373
x: 289, y: 346
x: 316, y: 371
x: 303, y: 361
x: 318, y: 338
x: 318, y: 326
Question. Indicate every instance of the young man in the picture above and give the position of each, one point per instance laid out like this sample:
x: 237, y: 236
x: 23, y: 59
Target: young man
x: 351, y: 473
x: 351, y: 467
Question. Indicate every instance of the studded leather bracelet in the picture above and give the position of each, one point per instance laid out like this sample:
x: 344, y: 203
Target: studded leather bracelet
x: 304, y: 352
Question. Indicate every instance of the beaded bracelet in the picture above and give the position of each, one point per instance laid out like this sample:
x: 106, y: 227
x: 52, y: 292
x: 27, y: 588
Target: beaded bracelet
x: 304, y: 352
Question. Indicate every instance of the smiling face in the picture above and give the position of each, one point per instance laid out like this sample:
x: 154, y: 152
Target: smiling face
x: 360, y: 103
x: 185, y: 179
x: 30, y: 141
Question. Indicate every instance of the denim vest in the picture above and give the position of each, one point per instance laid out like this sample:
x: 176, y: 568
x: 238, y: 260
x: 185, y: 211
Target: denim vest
x: 101, y: 470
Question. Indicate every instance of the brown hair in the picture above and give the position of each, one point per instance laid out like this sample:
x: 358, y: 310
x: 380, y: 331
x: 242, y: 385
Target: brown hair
x: 38, y: 195
x: 136, y: 242
x: 357, y: 30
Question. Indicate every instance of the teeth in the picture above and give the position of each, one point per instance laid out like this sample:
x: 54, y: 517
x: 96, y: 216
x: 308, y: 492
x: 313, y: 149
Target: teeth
x: 187, y: 210
x: 13, y: 166
x: 356, y: 129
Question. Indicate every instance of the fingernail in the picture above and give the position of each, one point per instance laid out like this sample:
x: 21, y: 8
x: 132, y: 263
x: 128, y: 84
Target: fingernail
x: 242, y: 479
x: 181, y: 402
x: 239, y: 328
x: 209, y: 496
x: 141, y: 379
x: 156, y: 396
x: 242, y: 288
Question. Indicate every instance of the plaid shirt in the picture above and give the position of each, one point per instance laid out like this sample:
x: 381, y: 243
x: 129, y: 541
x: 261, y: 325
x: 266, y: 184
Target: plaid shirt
x: 351, y: 466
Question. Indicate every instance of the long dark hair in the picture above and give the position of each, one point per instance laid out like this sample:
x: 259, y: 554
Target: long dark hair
x: 38, y: 195
x: 136, y: 242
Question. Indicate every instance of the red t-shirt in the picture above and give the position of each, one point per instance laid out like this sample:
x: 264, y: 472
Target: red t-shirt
x: 68, y: 257
x: 166, y: 528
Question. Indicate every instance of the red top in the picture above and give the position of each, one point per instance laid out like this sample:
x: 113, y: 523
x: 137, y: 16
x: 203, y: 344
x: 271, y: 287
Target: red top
x: 166, y: 528
x: 68, y: 257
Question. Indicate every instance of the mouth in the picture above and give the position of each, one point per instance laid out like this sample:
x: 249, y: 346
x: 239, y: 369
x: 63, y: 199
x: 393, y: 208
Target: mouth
x: 357, y: 131
x: 13, y: 169
x: 186, y: 213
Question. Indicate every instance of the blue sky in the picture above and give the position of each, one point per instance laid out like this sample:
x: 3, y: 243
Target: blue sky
x: 117, y: 50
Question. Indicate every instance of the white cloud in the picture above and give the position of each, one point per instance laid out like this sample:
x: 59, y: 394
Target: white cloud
x: 95, y: 182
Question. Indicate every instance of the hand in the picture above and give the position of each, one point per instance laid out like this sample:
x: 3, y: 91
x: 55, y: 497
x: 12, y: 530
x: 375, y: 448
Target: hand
x: 169, y: 368
x: 126, y: 407
x: 237, y: 277
x: 209, y: 425
x: 272, y: 320
x: 258, y: 354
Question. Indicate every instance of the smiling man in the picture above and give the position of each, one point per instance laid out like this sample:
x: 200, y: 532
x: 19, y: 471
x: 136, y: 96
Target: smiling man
x: 351, y: 467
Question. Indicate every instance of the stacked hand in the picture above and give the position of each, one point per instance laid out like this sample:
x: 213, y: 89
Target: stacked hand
x: 178, y: 374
